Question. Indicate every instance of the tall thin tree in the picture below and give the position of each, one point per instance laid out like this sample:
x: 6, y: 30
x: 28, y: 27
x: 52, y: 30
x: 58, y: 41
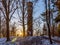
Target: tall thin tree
x: 48, y: 21
x: 23, y: 3
x: 0, y: 24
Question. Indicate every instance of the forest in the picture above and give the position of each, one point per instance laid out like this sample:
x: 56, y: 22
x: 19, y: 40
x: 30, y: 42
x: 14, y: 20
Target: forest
x: 29, y: 22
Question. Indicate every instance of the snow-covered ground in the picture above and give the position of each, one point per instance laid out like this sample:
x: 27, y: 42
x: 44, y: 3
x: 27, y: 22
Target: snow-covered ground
x: 2, y: 40
x: 34, y: 40
x: 47, y: 42
x: 55, y: 37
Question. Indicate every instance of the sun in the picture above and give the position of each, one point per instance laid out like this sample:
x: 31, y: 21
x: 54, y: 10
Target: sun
x: 19, y: 33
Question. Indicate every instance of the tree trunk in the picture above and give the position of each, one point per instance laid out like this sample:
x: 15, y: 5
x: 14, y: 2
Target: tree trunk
x: 48, y: 20
x: 7, y: 26
x: 0, y: 24
x: 23, y: 2
x: 49, y: 23
x: 7, y: 23
x: 30, y: 19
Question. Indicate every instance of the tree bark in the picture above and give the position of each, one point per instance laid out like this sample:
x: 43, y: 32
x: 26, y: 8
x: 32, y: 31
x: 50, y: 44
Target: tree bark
x: 49, y: 23
x: 23, y: 3
x: 48, y: 20
x: 7, y: 23
x: 29, y: 19
x: 0, y: 24
x: 7, y: 26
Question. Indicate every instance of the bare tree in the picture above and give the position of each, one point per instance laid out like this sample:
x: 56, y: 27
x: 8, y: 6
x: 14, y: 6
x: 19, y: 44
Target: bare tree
x: 8, y: 10
x: 48, y: 21
x: 23, y: 9
x: 23, y: 3
x: 0, y: 24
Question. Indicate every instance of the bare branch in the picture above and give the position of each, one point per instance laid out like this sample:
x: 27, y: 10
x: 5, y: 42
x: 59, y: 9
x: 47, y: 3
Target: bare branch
x: 3, y: 12
x: 4, y: 4
x: 13, y: 13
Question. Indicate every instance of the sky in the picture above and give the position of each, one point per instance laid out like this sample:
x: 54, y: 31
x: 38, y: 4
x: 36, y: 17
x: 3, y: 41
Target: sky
x: 39, y: 8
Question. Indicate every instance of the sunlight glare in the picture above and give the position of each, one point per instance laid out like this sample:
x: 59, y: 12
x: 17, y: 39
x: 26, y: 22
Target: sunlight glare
x: 19, y: 33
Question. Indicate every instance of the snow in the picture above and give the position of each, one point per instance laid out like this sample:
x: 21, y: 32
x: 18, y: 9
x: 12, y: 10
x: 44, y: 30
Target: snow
x: 55, y: 37
x: 46, y: 42
x: 34, y: 40
x: 2, y: 40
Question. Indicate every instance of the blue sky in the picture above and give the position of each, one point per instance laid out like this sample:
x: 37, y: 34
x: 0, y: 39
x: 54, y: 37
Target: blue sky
x: 38, y: 9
